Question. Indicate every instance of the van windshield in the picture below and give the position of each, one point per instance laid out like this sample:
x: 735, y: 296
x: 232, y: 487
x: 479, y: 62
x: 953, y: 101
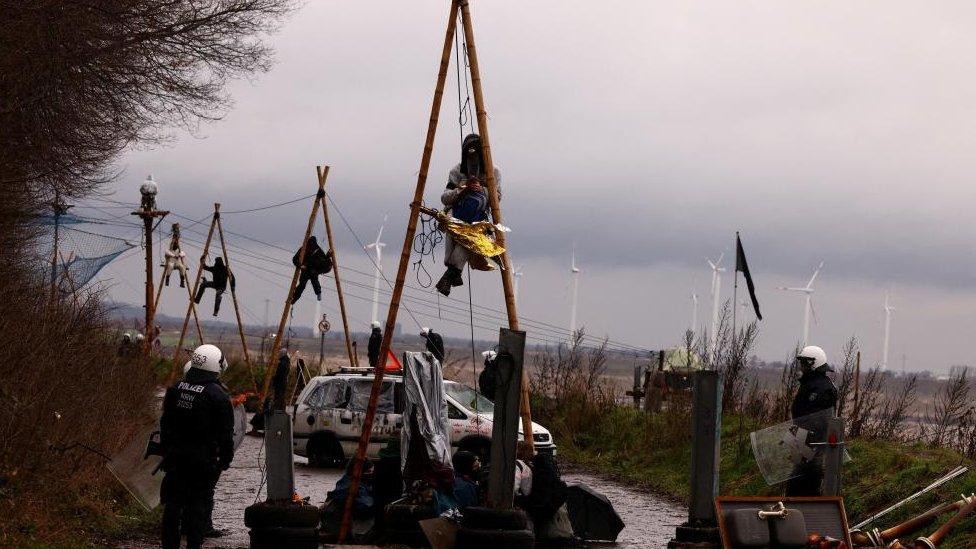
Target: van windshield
x: 469, y: 398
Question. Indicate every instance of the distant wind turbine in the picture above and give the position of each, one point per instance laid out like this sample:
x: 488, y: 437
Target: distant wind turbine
x: 574, y: 271
x: 717, y: 271
x: 808, y: 291
x: 694, y: 312
x: 317, y: 318
x: 887, y: 330
x: 517, y: 273
x: 377, y: 247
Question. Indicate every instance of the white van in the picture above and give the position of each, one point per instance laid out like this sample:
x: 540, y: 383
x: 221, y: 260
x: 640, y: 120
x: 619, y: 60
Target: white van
x: 329, y: 413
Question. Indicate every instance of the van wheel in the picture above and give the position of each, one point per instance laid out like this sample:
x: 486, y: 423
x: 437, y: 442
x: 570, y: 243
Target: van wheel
x: 477, y: 445
x: 324, y: 450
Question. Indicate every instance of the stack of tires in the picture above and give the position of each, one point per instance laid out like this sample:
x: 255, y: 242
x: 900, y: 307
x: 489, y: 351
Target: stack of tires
x: 282, y: 525
x: 484, y: 528
x: 401, y: 523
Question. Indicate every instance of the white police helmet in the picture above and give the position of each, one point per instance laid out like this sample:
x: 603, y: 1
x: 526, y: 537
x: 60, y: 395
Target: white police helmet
x: 209, y: 359
x: 424, y: 331
x: 489, y: 355
x: 814, y: 357
x: 376, y: 324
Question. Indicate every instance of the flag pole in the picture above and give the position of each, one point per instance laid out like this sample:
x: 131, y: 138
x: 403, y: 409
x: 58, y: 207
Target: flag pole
x: 735, y: 286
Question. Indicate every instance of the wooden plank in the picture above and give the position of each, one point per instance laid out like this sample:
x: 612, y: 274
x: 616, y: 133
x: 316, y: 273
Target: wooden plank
x: 508, y: 383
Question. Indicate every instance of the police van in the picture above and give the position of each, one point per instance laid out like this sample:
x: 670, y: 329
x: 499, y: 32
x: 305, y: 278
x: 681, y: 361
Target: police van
x: 329, y: 414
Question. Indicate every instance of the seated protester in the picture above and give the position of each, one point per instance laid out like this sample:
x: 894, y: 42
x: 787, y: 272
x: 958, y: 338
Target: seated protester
x: 548, y: 492
x: 466, y: 196
x: 486, y: 380
x: 221, y: 274
x: 316, y: 262
x: 466, y: 467
x: 363, y: 504
x: 387, y: 479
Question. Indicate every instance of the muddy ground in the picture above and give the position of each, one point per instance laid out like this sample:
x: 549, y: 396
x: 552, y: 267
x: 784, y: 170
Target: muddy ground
x: 649, y: 520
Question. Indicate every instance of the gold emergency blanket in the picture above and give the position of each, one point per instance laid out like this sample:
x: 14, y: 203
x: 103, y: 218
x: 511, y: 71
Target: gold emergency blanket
x: 475, y: 238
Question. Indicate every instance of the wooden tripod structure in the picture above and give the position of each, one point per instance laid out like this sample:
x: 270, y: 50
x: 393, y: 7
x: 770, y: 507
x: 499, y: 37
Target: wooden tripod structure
x: 415, y: 207
x: 322, y: 174
x: 215, y: 222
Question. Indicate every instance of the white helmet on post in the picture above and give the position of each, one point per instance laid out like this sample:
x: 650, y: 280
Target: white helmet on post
x: 209, y: 358
x: 814, y: 357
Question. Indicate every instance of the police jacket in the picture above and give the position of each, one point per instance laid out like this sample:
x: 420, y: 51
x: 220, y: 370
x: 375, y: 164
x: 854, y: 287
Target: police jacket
x: 197, y: 427
x: 816, y: 393
x: 373, y: 349
x: 435, y: 345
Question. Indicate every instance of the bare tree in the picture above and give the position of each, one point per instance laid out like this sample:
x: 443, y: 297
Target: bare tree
x: 948, y: 410
x: 846, y: 372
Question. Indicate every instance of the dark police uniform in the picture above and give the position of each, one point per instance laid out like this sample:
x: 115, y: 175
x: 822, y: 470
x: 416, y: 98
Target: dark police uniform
x: 197, y: 433
x: 435, y: 345
x: 816, y: 394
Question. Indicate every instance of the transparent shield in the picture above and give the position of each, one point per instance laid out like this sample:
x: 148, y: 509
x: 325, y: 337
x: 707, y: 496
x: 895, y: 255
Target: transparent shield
x: 240, y: 425
x: 137, y: 472
x: 782, y: 450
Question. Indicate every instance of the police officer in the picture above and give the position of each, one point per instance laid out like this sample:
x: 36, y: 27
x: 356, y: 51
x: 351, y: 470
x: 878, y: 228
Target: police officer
x: 375, y: 342
x: 816, y: 393
x: 197, y: 434
x: 435, y: 343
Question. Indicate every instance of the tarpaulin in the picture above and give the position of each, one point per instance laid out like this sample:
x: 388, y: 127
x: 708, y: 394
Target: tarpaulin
x: 424, y: 392
x: 474, y: 237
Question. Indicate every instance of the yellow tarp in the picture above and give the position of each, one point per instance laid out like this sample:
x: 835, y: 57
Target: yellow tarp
x: 474, y: 238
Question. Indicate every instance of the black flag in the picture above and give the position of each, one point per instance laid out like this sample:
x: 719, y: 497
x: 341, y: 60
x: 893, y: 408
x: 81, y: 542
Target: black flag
x: 742, y: 266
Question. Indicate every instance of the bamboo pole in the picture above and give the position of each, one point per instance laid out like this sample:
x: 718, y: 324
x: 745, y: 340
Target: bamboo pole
x: 233, y: 295
x: 189, y: 291
x: 338, y: 282
x: 175, y: 369
x: 496, y: 215
x: 936, y: 538
x: 322, y: 174
x: 405, y: 252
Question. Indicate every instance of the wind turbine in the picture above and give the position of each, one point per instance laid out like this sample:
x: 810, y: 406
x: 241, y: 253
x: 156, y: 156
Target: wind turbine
x: 717, y: 271
x: 887, y: 330
x: 517, y: 273
x: 377, y: 247
x: 574, y: 271
x: 808, y: 291
x: 316, y: 319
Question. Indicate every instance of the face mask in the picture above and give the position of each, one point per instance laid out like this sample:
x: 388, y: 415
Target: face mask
x: 472, y: 161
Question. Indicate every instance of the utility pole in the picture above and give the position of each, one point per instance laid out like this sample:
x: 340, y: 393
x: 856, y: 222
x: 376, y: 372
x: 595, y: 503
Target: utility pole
x: 148, y: 213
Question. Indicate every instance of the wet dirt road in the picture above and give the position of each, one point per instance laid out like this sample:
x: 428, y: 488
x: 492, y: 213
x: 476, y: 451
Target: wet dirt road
x: 649, y: 520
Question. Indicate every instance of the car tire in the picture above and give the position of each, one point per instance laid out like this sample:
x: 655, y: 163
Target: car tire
x: 277, y: 537
x: 268, y: 515
x: 484, y: 518
x: 324, y: 450
x: 472, y: 538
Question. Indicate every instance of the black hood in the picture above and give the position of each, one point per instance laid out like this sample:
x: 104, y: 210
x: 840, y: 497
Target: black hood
x: 472, y: 140
x: 218, y: 261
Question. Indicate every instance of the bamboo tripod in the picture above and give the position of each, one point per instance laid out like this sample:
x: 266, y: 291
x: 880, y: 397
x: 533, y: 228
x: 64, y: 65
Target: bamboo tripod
x: 175, y: 238
x: 322, y: 174
x: 215, y: 222
x: 415, y: 206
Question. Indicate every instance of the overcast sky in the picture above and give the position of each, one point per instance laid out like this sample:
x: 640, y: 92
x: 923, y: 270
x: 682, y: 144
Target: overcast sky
x: 646, y: 132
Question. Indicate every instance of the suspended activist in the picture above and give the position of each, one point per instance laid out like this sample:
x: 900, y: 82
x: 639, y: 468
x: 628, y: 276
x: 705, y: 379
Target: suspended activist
x: 220, y: 275
x: 197, y: 437
x: 375, y: 341
x: 315, y: 263
x: 175, y: 258
x: 435, y: 343
x: 466, y: 198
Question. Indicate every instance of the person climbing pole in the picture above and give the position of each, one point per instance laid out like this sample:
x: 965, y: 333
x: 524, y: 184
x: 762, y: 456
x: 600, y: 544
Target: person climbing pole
x: 315, y: 263
x: 175, y: 258
x: 435, y: 343
x: 220, y: 274
x: 466, y: 196
x: 375, y: 341
x: 197, y: 436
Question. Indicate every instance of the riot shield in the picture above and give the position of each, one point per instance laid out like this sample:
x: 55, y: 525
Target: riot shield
x: 137, y: 472
x: 240, y: 425
x: 782, y: 450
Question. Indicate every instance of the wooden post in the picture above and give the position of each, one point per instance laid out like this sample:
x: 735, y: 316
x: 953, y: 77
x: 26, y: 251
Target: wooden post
x: 147, y: 221
x: 322, y: 174
x: 418, y: 197
x: 508, y: 380
x: 834, y: 457
x: 496, y: 213
x: 233, y: 295
x: 189, y: 291
x: 191, y: 307
x: 338, y: 282
x: 857, y: 380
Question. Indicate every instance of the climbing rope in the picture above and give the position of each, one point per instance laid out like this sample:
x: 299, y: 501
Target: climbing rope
x: 424, y: 244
